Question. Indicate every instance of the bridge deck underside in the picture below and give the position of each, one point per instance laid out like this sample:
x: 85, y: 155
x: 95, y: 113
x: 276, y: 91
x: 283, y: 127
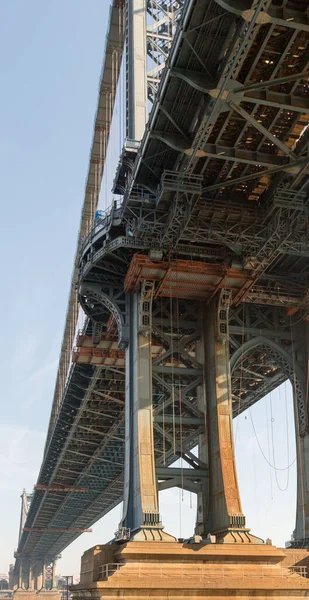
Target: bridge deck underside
x: 86, y: 447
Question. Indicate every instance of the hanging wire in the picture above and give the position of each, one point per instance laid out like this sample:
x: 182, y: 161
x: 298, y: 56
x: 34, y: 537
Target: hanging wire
x: 262, y: 452
x: 268, y: 442
x: 272, y: 420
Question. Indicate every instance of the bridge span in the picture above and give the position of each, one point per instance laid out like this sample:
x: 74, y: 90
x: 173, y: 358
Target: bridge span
x: 194, y: 282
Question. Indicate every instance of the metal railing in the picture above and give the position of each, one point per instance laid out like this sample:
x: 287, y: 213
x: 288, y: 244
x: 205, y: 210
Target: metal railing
x: 103, y: 220
x: 200, y: 572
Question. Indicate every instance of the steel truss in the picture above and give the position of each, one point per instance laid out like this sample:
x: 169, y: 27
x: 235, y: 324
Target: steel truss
x: 244, y: 145
x: 162, y: 19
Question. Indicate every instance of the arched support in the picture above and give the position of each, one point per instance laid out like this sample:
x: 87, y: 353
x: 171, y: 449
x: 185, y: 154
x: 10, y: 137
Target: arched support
x: 93, y: 291
x: 296, y: 374
x: 288, y: 365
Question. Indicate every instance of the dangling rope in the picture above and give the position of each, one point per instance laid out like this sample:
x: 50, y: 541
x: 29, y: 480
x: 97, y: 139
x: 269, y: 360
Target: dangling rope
x: 262, y: 452
x: 268, y: 442
x: 272, y: 420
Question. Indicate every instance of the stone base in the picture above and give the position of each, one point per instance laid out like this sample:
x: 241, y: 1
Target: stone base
x: 158, y: 571
x: 37, y: 594
x: 238, y: 536
x: 151, y: 534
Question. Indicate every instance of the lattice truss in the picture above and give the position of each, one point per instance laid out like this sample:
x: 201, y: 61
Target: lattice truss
x: 266, y: 349
x: 177, y: 374
x: 162, y: 16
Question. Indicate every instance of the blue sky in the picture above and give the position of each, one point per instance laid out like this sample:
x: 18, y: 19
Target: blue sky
x: 50, y: 61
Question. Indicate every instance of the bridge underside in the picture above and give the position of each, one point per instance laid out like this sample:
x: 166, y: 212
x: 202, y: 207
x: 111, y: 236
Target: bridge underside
x: 214, y: 199
x: 87, y: 447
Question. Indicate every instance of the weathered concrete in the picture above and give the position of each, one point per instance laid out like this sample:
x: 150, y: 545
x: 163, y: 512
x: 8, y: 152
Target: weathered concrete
x: 157, y: 571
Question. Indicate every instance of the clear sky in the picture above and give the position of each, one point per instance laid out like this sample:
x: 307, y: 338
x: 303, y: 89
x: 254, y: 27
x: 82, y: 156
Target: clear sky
x: 50, y: 61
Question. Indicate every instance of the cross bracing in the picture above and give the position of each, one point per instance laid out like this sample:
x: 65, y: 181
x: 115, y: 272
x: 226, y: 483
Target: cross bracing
x: 220, y: 176
x: 87, y: 447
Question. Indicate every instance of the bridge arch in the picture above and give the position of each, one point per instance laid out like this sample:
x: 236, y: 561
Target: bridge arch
x: 285, y: 361
x: 93, y: 292
x: 290, y: 367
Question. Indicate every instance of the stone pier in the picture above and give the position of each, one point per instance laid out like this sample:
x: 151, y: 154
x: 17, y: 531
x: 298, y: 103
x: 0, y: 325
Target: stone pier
x: 157, y: 571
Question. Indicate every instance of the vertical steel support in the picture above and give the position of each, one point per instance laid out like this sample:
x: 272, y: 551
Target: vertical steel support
x: 31, y: 576
x: 140, y: 508
x: 53, y: 580
x: 203, y: 495
x: 39, y: 579
x: 20, y: 576
x: 44, y: 568
x: 301, y: 532
x: 225, y: 518
x: 25, y: 574
x: 24, y: 511
x: 136, y: 69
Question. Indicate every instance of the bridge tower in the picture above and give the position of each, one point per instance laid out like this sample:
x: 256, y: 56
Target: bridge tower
x: 136, y: 300
x: 32, y: 574
x: 219, y: 504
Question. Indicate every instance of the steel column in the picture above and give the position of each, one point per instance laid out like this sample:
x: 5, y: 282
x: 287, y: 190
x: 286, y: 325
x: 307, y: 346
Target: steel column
x: 301, y: 532
x: 202, y: 507
x: 225, y: 518
x: 140, y: 507
x: 136, y: 69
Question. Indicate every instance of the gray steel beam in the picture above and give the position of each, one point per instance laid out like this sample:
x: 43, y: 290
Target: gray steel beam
x: 273, y: 333
x: 176, y: 370
x: 243, y: 156
x: 181, y: 144
x: 136, y: 68
x: 269, y: 83
x: 243, y: 113
x: 167, y: 472
x: 290, y: 167
x: 179, y: 420
x: 282, y: 101
x: 282, y: 17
